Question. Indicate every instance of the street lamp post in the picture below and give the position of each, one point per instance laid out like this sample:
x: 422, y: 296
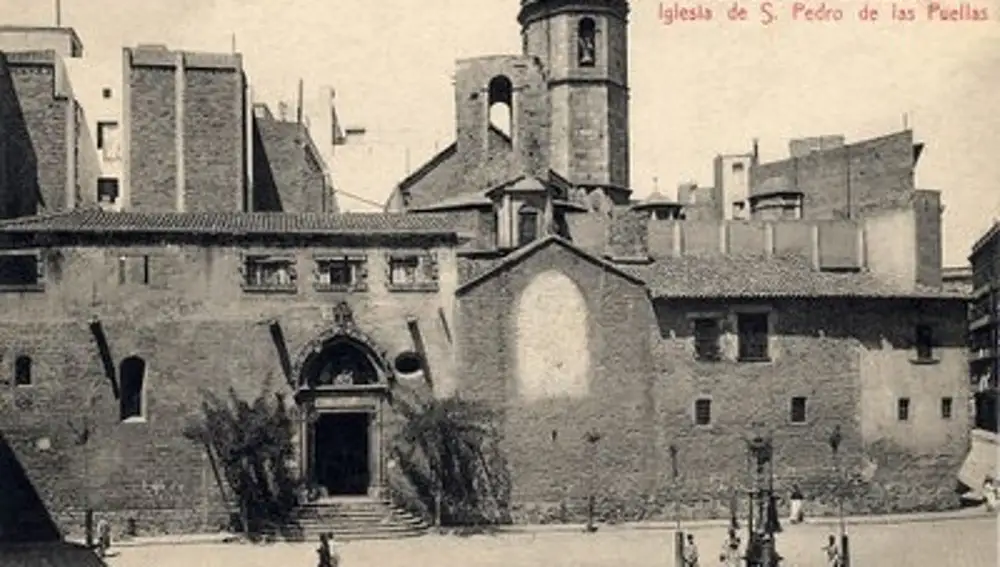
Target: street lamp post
x: 761, y: 548
x: 834, y: 440
x: 591, y: 437
x: 678, y: 534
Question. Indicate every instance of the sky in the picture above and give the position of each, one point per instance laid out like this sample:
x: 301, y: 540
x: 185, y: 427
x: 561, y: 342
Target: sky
x: 698, y: 88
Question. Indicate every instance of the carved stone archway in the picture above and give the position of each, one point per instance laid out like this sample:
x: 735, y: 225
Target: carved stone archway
x: 342, y: 380
x: 344, y: 331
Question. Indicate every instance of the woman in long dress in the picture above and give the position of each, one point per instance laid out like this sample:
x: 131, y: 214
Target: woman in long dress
x: 796, y: 514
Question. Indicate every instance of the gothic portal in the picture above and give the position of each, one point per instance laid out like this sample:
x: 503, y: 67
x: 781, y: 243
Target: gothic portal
x: 343, y: 385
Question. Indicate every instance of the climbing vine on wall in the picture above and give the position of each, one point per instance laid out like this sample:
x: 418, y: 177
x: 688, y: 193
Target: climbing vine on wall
x: 250, y: 446
x: 448, y: 453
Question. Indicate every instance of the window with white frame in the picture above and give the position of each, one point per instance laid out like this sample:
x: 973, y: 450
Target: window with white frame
x: 413, y: 271
x: 341, y: 273
x: 753, y: 336
x: 707, y: 336
x: 265, y: 272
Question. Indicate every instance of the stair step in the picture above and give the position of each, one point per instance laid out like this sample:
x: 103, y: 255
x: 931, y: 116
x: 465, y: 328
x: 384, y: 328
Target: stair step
x: 351, y: 519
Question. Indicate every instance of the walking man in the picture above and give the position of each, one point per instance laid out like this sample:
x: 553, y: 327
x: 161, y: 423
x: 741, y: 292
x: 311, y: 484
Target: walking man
x: 328, y: 556
x: 730, y: 556
x: 832, y: 552
x: 690, y: 553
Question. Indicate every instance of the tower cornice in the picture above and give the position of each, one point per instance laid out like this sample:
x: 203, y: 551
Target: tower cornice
x: 534, y: 10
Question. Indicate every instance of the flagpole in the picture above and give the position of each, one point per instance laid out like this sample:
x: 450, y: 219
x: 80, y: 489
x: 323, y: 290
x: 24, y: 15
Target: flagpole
x: 58, y: 13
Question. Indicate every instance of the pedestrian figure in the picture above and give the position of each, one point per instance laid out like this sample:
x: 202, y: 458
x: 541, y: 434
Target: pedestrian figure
x: 796, y: 514
x: 328, y: 556
x: 832, y: 552
x: 730, y: 556
x: 103, y: 537
x: 690, y: 553
x: 990, y: 493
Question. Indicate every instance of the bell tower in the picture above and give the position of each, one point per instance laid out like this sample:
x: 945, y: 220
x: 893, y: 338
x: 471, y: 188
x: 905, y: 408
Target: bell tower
x: 583, y: 47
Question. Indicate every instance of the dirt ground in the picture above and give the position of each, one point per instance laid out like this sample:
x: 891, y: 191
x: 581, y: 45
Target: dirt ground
x: 956, y: 543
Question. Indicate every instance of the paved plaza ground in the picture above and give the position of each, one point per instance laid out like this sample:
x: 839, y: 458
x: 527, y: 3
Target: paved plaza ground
x: 967, y: 542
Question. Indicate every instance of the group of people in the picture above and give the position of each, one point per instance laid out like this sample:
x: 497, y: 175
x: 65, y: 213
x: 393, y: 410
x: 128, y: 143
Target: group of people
x: 732, y: 556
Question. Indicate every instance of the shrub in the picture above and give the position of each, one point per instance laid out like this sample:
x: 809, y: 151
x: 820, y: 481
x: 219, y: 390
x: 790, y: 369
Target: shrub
x: 448, y: 453
x: 252, y: 443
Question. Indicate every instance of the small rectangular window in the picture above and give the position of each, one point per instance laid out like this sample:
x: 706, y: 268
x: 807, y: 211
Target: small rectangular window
x: 20, y: 270
x: 798, y: 410
x: 752, y: 329
x: 946, y: 407
x: 133, y: 270
x: 737, y: 167
x: 925, y: 342
x: 706, y: 339
x: 413, y: 272
x: 342, y: 273
x: 703, y: 411
x: 269, y: 273
x: 107, y: 190
x: 903, y: 409
x: 22, y: 370
x: 108, y: 140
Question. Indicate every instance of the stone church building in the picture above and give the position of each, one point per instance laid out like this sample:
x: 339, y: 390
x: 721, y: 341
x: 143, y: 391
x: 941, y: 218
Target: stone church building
x: 515, y: 267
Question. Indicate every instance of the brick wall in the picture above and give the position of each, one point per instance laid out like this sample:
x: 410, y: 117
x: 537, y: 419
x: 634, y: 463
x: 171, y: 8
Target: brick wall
x: 531, y: 112
x: 644, y: 380
x: 196, y: 330
x: 36, y: 108
x: 927, y: 210
x: 286, y: 178
x: 856, y: 174
x: 543, y: 438
x: 214, y: 142
x: 207, y: 127
x: 152, y: 151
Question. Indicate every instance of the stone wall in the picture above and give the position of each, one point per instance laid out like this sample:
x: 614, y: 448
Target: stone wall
x: 35, y: 109
x: 186, y: 131
x: 644, y: 380
x: 850, y: 176
x: 196, y: 330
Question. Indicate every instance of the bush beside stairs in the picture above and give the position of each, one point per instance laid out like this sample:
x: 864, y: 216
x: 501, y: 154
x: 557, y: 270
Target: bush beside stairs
x: 351, y: 519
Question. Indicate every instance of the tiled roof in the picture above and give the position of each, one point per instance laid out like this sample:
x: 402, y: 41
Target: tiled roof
x: 481, y: 272
x: 97, y: 221
x: 759, y: 276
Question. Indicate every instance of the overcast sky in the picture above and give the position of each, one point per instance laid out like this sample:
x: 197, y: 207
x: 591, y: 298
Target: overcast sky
x: 698, y: 88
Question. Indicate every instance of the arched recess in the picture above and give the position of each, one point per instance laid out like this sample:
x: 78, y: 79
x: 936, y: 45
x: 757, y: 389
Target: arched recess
x: 500, y: 104
x: 342, y: 358
x: 553, y: 339
x: 132, y: 381
x: 586, y: 34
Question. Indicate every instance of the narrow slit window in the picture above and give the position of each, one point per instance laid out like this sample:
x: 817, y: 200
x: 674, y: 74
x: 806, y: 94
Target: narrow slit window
x: 703, y: 411
x: 903, y: 409
x: 798, y: 410
x: 22, y: 371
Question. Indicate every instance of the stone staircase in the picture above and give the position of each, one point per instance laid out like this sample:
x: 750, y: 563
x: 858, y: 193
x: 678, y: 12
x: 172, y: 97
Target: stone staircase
x: 352, y: 519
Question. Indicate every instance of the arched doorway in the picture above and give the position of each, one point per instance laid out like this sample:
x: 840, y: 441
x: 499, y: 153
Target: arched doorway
x: 343, y: 384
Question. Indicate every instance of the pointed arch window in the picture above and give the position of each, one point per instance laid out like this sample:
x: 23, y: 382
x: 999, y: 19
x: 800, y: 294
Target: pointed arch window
x: 527, y: 225
x: 132, y: 376
x: 586, y: 42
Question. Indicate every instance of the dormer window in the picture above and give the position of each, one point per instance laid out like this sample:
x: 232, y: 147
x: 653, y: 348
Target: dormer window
x: 587, y: 44
x: 527, y: 225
